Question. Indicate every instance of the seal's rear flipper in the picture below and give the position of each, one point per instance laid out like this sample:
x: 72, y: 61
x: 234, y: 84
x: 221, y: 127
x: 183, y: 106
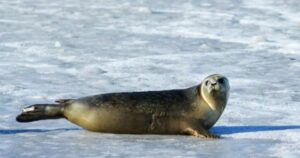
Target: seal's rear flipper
x: 41, y: 112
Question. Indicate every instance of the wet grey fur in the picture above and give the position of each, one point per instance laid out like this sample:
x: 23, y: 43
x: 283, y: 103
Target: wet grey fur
x: 163, y: 103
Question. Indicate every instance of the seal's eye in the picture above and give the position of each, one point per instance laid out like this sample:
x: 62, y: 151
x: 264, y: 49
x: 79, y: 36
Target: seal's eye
x: 206, y: 83
x: 221, y: 81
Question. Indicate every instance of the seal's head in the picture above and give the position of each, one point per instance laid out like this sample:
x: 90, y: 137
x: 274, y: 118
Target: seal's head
x: 215, y: 91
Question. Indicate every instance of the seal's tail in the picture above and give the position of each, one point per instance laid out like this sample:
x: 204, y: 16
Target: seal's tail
x: 41, y: 112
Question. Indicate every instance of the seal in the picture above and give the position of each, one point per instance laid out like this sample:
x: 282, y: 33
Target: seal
x: 191, y: 111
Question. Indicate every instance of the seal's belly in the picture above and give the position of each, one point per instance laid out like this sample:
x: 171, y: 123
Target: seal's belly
x: 118, y: 121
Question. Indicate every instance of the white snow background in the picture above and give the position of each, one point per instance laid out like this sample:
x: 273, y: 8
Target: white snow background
x: 51, y: 49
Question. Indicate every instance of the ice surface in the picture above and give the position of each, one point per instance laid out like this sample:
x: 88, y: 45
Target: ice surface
x: 68, y: 49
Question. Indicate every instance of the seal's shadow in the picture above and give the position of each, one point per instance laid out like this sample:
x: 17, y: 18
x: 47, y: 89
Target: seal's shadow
x: 17, y: 131
x: 223, y: 130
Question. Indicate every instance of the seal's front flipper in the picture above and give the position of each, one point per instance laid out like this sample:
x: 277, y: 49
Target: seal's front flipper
x: 40, y: 112
x: 191, y: 132
x: 206, y: 134
x: 211, y: 136
x: 200, y: 133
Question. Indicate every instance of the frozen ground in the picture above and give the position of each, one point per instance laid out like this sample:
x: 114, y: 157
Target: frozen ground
x: 72, y: 48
